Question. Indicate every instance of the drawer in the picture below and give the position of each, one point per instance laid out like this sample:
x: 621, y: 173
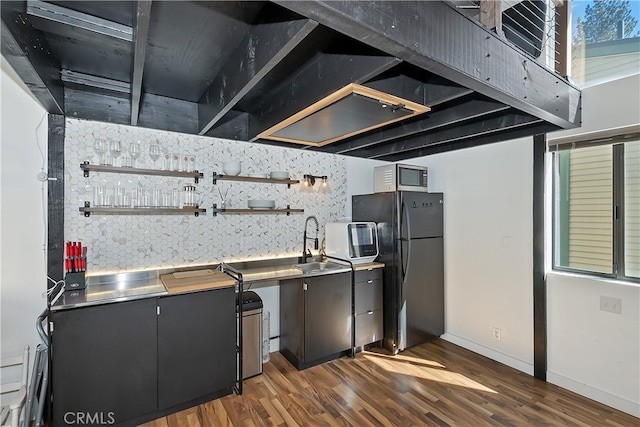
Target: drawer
x: 368, y: 295
x: 368, y: 327
x: 364, y: 275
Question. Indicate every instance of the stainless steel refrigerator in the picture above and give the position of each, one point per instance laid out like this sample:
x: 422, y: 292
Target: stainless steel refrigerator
x: 410, y: 239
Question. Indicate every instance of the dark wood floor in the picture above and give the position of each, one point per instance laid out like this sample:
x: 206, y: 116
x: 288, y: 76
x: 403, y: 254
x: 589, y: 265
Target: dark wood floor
x: 435, y: 384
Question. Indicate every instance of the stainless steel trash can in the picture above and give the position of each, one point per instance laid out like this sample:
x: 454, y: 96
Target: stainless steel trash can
x: 251, y: 334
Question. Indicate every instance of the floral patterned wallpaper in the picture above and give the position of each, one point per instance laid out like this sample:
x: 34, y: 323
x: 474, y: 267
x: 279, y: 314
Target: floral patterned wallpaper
x: 119, y: 243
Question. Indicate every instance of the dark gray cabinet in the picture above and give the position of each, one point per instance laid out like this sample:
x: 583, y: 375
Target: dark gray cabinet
x: 196, y: 345
x: 135, y: 361
x: 315, y: 318
x: 368, y: 306
x: 104, y: 362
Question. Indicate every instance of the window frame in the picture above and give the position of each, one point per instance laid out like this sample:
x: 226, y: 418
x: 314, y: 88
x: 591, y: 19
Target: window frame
x: 617, y: 213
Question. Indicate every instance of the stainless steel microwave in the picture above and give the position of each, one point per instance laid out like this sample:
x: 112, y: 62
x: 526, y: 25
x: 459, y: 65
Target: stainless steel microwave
x: 399, y: 177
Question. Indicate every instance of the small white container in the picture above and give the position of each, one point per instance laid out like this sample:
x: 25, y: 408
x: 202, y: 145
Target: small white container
x: 261, y: 204
x: 231, y: 167
x: 279, y: 175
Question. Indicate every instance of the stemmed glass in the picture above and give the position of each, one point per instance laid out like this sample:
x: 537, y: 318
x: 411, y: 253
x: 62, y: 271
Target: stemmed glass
x: 116, y: 149
x: 134, y: 151
x: 166, y: 160
x: 155, y: 150
x: 101, y: 146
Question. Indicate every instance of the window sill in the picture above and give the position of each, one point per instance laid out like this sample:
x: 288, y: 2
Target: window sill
x: 607, y: 280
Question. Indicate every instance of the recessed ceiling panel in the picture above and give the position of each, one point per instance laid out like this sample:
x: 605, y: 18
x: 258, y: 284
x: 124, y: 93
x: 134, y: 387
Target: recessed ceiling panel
x: 349, y: 111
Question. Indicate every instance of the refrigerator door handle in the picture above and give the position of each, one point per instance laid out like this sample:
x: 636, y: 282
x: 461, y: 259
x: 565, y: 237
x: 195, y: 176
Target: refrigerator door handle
x: 403, y: 254
x: 405, y: 223
x: 406, y: 256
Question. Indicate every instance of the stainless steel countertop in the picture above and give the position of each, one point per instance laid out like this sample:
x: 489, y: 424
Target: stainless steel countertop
x: 131, y: 286
x: 113, y: 288
x: 110, y: 292
x: 279, y: 269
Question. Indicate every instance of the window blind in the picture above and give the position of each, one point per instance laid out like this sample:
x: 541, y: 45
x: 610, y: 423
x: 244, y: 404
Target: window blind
x: 592, y: 139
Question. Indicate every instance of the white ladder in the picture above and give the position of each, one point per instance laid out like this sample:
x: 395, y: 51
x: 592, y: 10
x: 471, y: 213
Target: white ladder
x: 10, y: 414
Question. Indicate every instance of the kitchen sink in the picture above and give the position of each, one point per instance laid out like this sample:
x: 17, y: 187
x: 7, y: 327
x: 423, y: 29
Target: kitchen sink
x: 312, y: 267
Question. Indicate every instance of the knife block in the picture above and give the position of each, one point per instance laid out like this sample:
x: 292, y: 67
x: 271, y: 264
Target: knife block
x: 75, y: 281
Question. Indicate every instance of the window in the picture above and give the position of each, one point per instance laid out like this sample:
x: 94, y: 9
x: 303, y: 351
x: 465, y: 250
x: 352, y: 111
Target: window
x: 597, y: 210
x: 605, y: 41
x: 632, y: 209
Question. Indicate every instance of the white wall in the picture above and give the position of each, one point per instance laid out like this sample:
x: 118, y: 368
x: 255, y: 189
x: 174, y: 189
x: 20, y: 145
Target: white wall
x: 591, y: 352
x: 488, y: 250
x: 359, y: 178
x: 22, y: 265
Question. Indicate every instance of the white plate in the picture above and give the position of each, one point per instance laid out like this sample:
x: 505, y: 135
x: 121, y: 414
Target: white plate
x: 261, y: 204
x: 279, y: 175
x: 258, y: 175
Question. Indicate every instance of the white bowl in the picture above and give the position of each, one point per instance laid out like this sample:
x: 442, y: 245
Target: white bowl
x: 279, y: 175
x: 261, y: 204
x: 231, y: 167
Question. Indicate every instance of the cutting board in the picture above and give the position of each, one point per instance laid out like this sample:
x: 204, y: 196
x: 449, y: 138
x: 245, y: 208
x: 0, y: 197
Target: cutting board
x: 196, y: 280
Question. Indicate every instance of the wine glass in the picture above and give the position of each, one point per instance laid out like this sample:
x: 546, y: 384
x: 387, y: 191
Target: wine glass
x: 154, y: 152
x: 101, y: 146
x: 166, y: 160
x: 134, y: 151
x: 116, y: 149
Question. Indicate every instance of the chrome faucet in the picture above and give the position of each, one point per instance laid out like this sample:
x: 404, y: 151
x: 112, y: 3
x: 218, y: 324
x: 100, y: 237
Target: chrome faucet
x: 305, y: 238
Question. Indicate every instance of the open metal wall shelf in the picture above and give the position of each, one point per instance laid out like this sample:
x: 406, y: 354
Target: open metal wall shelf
x: 287, y: 211
x: 220, y: 177
x: 86, y: 167
x: 88, y: 210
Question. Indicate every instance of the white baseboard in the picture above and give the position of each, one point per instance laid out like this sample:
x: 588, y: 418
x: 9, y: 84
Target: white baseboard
x: 616, y: 402
x: 490, y: 353
x: 274, y: 345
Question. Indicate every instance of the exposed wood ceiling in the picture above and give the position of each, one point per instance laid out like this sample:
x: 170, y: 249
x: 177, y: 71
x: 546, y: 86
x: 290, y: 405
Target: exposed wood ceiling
x: 234, y: 69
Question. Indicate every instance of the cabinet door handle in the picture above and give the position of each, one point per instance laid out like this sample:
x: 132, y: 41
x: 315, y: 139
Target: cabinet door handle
x: 369, y: 281
x: 304, y: 286
x: 369, y: 312
x: 158, y: 310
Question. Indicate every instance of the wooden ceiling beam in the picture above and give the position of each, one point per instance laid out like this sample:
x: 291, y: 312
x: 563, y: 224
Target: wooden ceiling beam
x: 434, y: 36
x: 29, y: 54
x: 430, y: 92
x: 451, y: 134
x: 462, y: 112
x: 536, y: 128
x: 141, y: 19
x: 156, y: 112
x: 90, y: 82
x: 234, y: 125
x: 66, y: 22
x: 266, y: 45
x: 325, y: 74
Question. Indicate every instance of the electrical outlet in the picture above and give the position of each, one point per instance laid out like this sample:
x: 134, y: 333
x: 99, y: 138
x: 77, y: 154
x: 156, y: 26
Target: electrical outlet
x: 497, y: 334
x: 610, y: 304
